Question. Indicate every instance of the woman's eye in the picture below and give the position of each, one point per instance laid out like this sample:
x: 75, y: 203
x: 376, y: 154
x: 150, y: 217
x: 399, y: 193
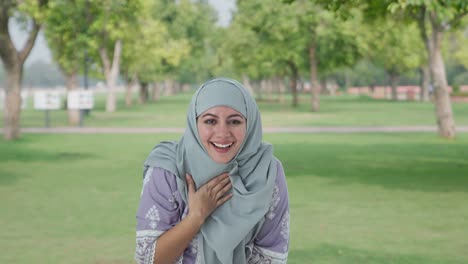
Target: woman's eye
x: 236, y: 122
x: 210, y: 121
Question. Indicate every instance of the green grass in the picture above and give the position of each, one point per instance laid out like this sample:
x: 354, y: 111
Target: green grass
x: 335, y: 111
x: 355, y: 198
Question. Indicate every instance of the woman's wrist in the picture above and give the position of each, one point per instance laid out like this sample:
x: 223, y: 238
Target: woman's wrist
x: 196, y: 219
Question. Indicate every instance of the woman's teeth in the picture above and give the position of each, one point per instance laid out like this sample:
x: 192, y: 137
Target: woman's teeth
x: 222, y: 145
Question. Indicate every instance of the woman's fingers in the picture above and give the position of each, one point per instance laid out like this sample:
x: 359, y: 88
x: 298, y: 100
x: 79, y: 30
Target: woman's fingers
x: 214, y: 190
x: 222, y: 192
x: 213, y: 182
x: 218, y: 187
x: 223, y: 199
x: 207, y: 198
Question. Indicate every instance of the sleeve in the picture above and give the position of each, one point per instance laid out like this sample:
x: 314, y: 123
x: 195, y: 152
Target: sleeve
x: 272, y: 242
x: 159, y: 210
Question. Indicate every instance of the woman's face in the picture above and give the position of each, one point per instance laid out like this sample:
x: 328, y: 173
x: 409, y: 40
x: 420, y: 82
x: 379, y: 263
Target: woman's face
x: 222, y: 131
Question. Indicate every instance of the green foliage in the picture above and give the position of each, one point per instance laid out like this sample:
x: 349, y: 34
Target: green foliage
x: 457, y: 40
x: 67, y: 33
x: 396, y: 46
x: 448, y: 13
x: 149, y: 47
x: 194, y: 23
x: 31, y: 9
x: 266, y: 37
x: 76, y: 29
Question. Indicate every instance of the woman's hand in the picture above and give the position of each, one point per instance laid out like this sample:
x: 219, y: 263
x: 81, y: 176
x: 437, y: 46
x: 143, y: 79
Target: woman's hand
x: 207, y: 198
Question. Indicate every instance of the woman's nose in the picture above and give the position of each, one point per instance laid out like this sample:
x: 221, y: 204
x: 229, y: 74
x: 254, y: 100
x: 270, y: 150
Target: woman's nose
x: 222, y: 129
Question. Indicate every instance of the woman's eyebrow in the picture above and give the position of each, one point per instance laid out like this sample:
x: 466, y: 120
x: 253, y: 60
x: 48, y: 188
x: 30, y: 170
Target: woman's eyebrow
x: 208, y: 114
x: 235, y: 115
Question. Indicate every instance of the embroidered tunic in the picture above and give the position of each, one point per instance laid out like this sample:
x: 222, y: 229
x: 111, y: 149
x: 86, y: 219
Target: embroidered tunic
x: 161, y: 208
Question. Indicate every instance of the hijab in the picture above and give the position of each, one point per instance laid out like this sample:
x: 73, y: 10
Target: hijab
x: 252, y: 172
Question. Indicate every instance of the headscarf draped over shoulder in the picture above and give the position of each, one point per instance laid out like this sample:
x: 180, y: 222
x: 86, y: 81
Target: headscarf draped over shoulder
x: 252, y: 172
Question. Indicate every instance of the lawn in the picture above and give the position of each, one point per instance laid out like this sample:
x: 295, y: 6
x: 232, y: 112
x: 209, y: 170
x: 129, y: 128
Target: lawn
x: 335, y: 111
x: 355, y: 198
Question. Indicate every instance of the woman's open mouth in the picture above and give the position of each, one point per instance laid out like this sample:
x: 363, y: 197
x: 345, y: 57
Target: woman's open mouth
x: 222, y: 148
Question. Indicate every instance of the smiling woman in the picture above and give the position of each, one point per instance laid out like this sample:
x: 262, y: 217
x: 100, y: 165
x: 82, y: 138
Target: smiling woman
x: 218, y: 195
x: 222, y: 131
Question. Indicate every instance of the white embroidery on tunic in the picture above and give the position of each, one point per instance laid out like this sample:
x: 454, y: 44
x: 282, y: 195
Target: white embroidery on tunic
x: 194, y: 246
x: 285, y: 230
x: 254, y: 256
x: 146, y: 245
x: 147, y: 178
x: 274, y: 203
x: 153, y: 216
x: 258, y: 255
x: 173, y: 200
x: 194, y: 250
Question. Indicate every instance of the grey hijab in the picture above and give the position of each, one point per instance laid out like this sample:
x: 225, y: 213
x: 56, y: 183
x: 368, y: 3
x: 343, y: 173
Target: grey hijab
x: 252, y: 172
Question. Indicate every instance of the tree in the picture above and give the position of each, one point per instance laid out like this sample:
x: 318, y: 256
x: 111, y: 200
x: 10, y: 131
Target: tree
x: 396, y: 47
x: 333, y: 43
x: 151, y: 49
x: 434, y: 18
x: 299, y: 37
x: 109, y: 22
x: 194, y: 22
x: 266, y: 42
x: 32, y: 13
x: 66, y: 32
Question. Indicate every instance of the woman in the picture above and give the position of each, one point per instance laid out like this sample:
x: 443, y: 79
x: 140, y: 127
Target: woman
x: 218, y: 195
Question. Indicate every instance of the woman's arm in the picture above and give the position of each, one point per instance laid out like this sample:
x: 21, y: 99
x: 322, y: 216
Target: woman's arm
x: 272, y: 242
x: 202, y: 203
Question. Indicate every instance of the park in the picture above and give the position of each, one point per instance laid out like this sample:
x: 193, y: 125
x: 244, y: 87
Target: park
x: 355, y: 197
x: 373, y: 177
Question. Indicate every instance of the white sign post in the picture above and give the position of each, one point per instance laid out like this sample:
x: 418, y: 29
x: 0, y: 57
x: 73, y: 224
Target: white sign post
x: 47, y: 100
x: 80, y: 100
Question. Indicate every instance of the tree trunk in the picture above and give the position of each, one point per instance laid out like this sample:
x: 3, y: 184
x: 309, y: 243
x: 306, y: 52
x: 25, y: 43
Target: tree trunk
x: 314, y: 83
x: 13, y: 61
x: 347, y: 82
x: 131, y: 83
x: 323, y: 86
x: 72, y: 84
x: 282, y: 90
x: 394, y: 79
x: 443, y: 105
x: 177, y: 87
x: 168, y: 87
x: 144, y: 93
x: 256, y: 90
x: 156, y: 91
x: 293, y: 82
x: 425, y: 83
x: 263, y: 88
x: 276, y: 86
x: 247, y: 85
x: 111, y: 72
x: 12, y: 108
x: 269, y: 86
